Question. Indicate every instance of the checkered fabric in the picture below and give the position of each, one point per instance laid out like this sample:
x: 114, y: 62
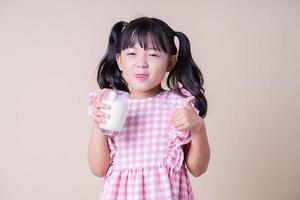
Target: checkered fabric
x: 147, y: 159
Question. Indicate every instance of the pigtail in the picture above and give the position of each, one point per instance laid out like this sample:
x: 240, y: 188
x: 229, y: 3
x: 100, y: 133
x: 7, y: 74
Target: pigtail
x: 109, y: 75
x: 187, y: 73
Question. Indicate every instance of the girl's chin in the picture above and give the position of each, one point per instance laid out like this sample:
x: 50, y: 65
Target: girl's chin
x: 140, y: 88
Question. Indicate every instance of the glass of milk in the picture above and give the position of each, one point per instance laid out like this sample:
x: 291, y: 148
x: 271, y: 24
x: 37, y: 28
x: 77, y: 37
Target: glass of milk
x: 118, y: 101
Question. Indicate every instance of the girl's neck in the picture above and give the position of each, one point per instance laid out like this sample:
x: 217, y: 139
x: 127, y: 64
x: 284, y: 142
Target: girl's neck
x: 136, y: 94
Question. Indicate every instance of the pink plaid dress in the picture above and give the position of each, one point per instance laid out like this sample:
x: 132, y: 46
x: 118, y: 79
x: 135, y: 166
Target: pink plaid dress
x: 147, y: 159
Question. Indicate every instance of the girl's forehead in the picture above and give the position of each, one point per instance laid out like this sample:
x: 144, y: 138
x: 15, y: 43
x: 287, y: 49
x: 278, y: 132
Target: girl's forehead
x: 138, y: 46
x: 145, y: 41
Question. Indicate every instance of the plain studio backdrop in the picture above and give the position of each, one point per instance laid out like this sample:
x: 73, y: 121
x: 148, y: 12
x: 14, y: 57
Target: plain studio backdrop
x: 248, y: 51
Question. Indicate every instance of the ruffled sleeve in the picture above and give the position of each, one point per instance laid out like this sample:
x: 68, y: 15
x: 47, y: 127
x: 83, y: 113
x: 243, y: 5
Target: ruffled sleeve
x: 113, y: 151
x: 92, y: 98
x: 177, y: 139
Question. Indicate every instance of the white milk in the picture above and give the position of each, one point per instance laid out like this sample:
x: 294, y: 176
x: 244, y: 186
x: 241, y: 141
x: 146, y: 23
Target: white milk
x: 117, y: 113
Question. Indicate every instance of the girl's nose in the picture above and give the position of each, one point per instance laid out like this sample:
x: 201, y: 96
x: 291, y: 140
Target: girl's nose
x: 142, y: 62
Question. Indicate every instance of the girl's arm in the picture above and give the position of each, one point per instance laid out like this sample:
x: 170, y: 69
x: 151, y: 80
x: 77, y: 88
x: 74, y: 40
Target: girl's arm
x: 98, y: 152
x: 197, y: 152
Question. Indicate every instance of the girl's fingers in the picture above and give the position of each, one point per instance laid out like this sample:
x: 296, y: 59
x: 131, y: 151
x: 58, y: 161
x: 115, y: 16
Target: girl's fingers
x: 179, y: 111
x: 181, y: 128
x: 97, y: 102
x: 103, y: 115
x: 99, y: 112
x: 98, y: 118
x: 100, y: 94
x: 179, y: 118
x: 177, y: 122
x: 97, y: 105
x: 102, y: 105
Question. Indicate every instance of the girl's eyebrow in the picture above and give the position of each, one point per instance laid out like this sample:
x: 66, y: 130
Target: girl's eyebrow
x: 145, y: 48
x: 130, y: 48
x: 151, y: 49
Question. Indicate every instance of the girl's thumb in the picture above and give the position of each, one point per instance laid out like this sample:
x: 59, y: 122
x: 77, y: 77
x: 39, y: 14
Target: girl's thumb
x: 189, y: 100
x: 100, y: 94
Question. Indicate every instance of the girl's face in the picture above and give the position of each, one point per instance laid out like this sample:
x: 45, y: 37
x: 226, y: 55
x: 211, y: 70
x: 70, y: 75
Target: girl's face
x: 144, y: 69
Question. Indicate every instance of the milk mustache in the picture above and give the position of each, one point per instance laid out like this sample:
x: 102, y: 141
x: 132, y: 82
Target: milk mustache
x: 118, y: 101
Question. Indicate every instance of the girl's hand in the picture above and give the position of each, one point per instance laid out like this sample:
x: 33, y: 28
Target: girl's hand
x: 96, y: 113
x: 186, y: 119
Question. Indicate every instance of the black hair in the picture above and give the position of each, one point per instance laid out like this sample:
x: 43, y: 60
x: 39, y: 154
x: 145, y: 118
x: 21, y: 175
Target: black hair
x: 184, y: 74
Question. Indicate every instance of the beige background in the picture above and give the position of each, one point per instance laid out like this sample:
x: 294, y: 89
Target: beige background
x: 249, y: 52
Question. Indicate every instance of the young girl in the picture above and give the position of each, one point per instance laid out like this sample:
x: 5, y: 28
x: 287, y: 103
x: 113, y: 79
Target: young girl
x: 164, y: 133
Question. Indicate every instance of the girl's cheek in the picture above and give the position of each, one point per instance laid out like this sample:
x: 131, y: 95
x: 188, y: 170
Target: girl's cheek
x: 125, y: 75
x: 128, y: 63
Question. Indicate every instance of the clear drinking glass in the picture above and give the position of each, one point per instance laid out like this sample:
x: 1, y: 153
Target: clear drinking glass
x: 118, y: 101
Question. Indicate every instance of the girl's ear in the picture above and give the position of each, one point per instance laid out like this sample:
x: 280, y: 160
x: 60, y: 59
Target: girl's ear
x: 118, y: 59
x: 172, y: 62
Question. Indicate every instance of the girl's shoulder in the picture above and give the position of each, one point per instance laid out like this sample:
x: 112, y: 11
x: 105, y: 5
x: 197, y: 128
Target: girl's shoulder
x: 173, y: 95
x: 176, y: 99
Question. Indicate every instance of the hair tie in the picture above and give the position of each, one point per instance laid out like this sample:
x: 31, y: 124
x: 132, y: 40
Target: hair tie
x: 124, y: 26
x: 176, y: 33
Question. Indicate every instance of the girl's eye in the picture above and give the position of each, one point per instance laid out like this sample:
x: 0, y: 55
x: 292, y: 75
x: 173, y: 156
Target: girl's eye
x: 155, y: 55
x: 129, y: 54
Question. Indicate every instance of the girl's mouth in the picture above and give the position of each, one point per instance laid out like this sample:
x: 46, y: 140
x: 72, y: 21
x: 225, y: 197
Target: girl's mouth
x: 141, y: 77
